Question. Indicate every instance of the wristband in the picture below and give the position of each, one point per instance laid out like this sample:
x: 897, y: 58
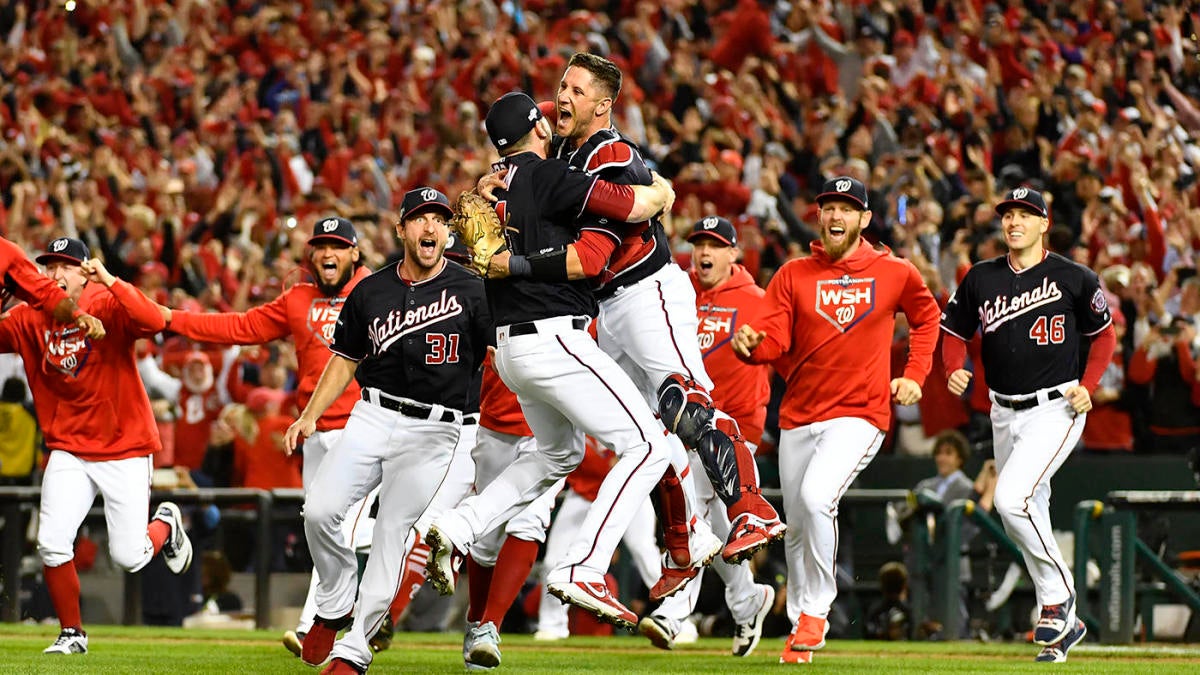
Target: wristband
x: 549, y: 266
x: 518, y: 266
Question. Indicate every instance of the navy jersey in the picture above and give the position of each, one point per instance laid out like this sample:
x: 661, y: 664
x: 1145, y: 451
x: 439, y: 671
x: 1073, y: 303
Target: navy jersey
x: 1031, y: 321
x: 424, y: 340
x: 642, y: 248
x: 539, y: 207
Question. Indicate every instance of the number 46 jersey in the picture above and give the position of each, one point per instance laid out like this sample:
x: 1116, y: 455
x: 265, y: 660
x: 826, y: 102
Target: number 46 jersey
x: 1031, y: 320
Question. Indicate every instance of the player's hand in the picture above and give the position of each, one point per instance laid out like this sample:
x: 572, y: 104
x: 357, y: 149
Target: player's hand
x: 746, y: 340
x: 665, y: 184
x: 487, y: 186
x: 96, y: 271
x: 166, y: 313
x: 92, y: 327
x: 958, y: 381
x: 1079, y: 398
x: 498, y: 265
x: 905, y: 391
x: 301, y: 429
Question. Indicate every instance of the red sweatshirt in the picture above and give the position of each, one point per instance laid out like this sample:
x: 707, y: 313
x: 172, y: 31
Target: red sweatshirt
x: 303, y: 312
x: 829, y: 327
x: 89, y: 398
x: 740, y: 389
x: 24, y: 280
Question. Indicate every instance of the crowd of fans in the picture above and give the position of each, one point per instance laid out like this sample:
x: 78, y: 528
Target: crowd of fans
x: 193, y: 145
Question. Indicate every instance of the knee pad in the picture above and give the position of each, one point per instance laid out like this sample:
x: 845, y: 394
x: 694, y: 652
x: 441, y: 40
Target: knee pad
x: 685, y: 407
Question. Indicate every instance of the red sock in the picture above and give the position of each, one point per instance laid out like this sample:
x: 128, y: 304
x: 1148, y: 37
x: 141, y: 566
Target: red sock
x: 159, y: 531
x: 410, y: 582
x: 513, y: 565
x: 480, y: 582
x: 63, y: 584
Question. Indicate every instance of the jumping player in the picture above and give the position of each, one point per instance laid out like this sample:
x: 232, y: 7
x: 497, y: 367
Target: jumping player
x: 412, y: 334
x: 726, y: 298
x: 307, y: 312
x: 98, y: 425
x: 827, y: 326
x: 566, y: 386
x: 1032, y: 308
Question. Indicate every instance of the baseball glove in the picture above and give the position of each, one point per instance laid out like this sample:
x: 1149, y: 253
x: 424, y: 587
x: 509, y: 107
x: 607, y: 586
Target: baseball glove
x: 478, y: 226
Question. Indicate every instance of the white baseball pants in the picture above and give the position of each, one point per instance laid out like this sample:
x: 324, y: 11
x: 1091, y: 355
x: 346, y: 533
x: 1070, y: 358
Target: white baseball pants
x: 817, y: 464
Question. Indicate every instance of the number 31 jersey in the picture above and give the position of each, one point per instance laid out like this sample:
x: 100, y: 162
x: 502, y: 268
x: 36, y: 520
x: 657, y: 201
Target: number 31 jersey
x: 1031, y: 320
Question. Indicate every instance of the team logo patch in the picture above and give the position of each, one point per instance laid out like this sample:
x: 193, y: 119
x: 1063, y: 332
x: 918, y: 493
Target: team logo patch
x: 429, y: 195
x: 58, y: 245
x: 842, y: 186
x: 1099, y: 302
x: 709, y: 223
x: 67, y: 350
x: 322, y: 317
x: 1020, y: 193
x: 845, y: 301
x: 329, y: 225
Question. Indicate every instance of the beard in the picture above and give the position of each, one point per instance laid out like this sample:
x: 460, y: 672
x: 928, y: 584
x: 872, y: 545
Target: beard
x: 836, y: 250
x: 199, y: 384
x: 333, y: 289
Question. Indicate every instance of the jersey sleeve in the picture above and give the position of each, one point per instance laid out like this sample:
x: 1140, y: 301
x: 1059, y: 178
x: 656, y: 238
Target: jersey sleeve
x: 350, y: 332
x: 253, y: 327
x: 142, y: 314
x: 921, y: 310
x: 26, y: 281
x: 1091, y: 309
x: 777, y: 317
x: 960, y: 318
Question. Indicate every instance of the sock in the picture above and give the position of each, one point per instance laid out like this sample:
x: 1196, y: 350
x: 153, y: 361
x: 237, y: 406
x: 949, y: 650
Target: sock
x: 158, y: 531
x: 477, y: 589
x: 63, y: 584
x: 513, y: 565
x: 410, y: 582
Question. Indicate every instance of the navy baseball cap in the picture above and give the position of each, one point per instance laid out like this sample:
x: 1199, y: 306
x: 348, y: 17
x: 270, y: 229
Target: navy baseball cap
x: 1026, y: 198
x: 64, y: 249
x: 425, y: 199
x: 715, y: 227
x: 846, y: 189
x: 336, y: 228
x: 510, y: 118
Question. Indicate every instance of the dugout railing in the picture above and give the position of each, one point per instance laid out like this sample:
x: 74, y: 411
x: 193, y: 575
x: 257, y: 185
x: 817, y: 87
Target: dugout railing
x: 15, y: 502
x: 1122, y: 596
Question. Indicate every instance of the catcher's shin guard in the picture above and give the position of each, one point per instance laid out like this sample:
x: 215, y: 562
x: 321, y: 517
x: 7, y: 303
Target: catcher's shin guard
x: 685, y: 407
x: 730, y: 467
x: 671, y: 504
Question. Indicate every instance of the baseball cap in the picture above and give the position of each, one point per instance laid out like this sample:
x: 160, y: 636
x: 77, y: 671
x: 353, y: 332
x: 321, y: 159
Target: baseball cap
x: 424, y: 198
x: 716, y: 227
x: 1024, y: 197
x: 337, y: 228
x: 846, y: 189
x: 66, y: 249
x: 510, y: 118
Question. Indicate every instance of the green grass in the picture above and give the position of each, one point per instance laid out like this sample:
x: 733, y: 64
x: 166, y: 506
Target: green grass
x: 121, y: 649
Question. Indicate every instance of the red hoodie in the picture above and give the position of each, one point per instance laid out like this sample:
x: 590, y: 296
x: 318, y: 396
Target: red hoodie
x: 740, y: 389
x: 829, y: 328
x: 89, y: 398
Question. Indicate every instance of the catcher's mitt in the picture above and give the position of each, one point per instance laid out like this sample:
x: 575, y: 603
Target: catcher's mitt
x: 478, y: 226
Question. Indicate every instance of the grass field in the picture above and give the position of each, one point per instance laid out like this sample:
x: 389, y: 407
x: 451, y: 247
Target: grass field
x: 120, y: 649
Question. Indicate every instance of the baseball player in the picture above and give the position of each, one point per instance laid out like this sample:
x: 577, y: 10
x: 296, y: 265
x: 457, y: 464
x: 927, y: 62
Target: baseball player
x: 307, y: 312
x: 412, y: 334
x: 97, y: 423
x: 1032, y: 308
x: 22, y: 280
x: 726, y: 298
x: 564, y: 383
x: 827, y: 328
x: 647, y: 322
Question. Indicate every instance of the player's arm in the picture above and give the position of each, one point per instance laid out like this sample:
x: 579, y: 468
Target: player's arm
x: 630, y: 203
x: 581, y: 260
x: 27, y: 283
x: 922, y: 311
x: 143, y: 314
x: 959, y: 322
x: 334, y: 380
x: 771, y: 334
x: 256, y: 326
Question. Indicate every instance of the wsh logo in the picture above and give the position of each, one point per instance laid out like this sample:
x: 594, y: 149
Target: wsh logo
x: 845, y: 301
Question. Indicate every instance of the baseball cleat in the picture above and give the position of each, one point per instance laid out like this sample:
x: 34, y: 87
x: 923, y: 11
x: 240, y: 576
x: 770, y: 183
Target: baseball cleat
x: 1057, y: 653
x: 1055, y: 622
x: 70, y: 641
x: 595, y: 598
x: 546, y: 635
x: 749, y: 534
x: 382, y: 639
x: 318, y: 642
x: 704, y: 547
x: 482, y: 647
x: 790, y: 655
x: 810, y: 633
x: 660, y: 630
x: 294, y: 641
x: 747, y: 635
x: 177, y: 549
x: 340, y: 666
x: 444, y: 560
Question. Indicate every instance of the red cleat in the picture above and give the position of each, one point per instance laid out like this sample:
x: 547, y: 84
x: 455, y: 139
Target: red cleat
x: 596, y: 599
x: 318, y: 642
x: 809, y: 634
x: 749, y: 534
x: 342, y: 667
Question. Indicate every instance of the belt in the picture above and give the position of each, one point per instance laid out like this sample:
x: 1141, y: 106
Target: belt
x: 1025, y: 403
x: 472, y: 418
x: 408, y: 408
x: 530, y: 327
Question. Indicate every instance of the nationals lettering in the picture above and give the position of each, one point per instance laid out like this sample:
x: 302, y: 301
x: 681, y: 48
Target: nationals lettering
x: 385, y: 331
x: 995, y: 313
